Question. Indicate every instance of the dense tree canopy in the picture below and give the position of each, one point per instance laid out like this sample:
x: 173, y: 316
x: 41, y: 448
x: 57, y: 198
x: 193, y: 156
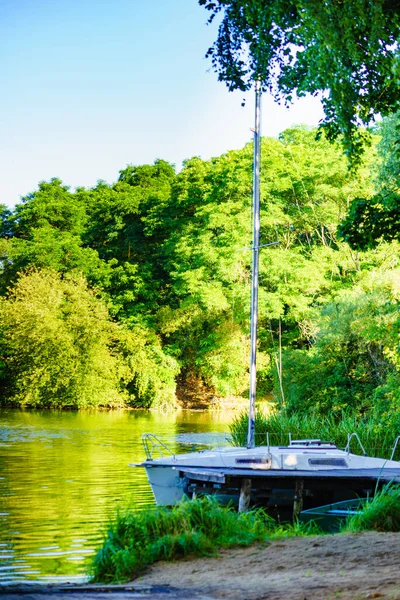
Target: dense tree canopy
x: 353, y: 363
x: 371, y: 220
x: 305, y: 190
x: 45, y: 230
x: 345, y: 51
x: 140, y: 289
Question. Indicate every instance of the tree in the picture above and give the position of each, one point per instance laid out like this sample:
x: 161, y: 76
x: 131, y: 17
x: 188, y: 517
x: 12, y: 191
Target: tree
x: 127, y: 225
x: 305, y: 188
x: 59, y: 348
x: 170, y: 256
x: 45, y: 230
x: 345, y: 51
x: 110, y: 233
x: 210, y: 217
x: 353, y: 363
x: 371, y: 220
x: 56, y: 343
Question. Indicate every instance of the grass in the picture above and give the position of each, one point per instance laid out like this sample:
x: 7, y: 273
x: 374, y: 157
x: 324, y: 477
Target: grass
x: 377, y: 438
x: 135, y: 540
x: 382, y: 513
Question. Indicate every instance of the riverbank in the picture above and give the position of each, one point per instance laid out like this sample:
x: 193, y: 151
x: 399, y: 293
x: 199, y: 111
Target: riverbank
x: 331, y: 567
x: 342, y: 567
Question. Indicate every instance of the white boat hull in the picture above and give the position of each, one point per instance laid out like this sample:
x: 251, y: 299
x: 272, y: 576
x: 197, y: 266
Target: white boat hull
x: 169, y: 476
x: 166, y: 484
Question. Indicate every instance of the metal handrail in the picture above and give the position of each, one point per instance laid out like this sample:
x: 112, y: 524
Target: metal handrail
x: 394, y: 447
x: 349, y: 438
x: 152, y: 443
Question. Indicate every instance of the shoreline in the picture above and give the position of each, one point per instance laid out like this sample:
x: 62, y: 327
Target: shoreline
x: 352, y: 566
x: 337, y: 566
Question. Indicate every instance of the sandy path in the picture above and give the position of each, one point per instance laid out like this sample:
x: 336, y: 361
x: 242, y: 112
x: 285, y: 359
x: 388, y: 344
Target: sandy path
x: 343, y: 567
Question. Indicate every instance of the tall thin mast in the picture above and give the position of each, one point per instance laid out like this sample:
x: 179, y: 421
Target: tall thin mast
x: 256, y: 247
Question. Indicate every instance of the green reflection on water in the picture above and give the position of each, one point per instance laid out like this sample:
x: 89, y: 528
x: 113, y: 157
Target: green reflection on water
x: 64, y: 475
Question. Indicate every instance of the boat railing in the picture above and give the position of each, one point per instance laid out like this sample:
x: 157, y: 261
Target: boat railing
x: 394, y: 447
x: 273, y: 439
x: 153, y: 445
x: 349, y: 438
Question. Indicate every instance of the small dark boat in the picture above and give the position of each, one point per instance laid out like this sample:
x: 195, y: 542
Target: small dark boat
x: 331, y: 517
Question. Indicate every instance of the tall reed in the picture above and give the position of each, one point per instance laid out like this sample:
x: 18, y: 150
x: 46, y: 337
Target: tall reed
x: 382, y: 513
x: 377, y: 438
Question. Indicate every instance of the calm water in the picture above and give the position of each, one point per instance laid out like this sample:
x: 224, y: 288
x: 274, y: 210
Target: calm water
x: 64, y: 475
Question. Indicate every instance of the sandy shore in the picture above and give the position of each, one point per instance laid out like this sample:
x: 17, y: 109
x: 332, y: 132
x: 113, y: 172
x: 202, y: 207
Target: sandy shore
x: 335, y: 567
x: 343, y: 567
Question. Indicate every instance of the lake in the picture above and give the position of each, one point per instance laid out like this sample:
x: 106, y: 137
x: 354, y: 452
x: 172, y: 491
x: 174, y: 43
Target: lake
x: 63, y: 475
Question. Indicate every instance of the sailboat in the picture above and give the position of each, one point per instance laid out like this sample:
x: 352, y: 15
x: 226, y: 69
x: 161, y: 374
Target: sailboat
x: 303, y: 473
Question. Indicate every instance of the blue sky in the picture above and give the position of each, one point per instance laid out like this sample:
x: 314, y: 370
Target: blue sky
x: 89, y: 86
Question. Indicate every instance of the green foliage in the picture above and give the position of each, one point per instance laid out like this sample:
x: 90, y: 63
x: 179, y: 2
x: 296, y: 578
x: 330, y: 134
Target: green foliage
x: 55, y: 339
x: 382, y: 513
x: 354, y: 357
x: 169, y: 255
x: 347, y: 52
x: 240, y: 424
x: 376, y: 436
x: 198, y: 527
x: 52, y: 205
x: 128, y: 223
x: 150, y: 377
x: 305, y: 187
x: 368, y: 221
x: 106, y: 235
x: 45, y: 231
x: 61, y: 349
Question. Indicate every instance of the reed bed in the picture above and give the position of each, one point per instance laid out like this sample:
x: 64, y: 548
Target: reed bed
x: 199, y: 527
x: 377, y: 438
x: 382, y: 513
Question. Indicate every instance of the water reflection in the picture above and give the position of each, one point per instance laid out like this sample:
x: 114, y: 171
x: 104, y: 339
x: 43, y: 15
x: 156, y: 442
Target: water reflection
x: 63, y: 476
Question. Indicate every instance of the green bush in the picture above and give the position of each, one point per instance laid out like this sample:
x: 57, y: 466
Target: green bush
x: 135, y: 540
